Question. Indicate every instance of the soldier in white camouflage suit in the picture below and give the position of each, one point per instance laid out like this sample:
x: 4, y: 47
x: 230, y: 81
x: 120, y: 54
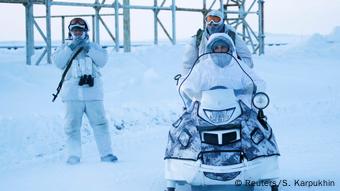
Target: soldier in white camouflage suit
x: 214, y: 24
x: 82, y: 91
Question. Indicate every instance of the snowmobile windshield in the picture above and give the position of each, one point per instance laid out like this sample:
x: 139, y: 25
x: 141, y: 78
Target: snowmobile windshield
x: 217, y: 70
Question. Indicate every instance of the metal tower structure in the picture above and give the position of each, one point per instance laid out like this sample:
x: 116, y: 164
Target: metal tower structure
x: 236, y: 14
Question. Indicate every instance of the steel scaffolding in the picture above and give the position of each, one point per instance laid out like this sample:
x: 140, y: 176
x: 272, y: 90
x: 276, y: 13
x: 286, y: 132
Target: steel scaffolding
x: 235, y: 11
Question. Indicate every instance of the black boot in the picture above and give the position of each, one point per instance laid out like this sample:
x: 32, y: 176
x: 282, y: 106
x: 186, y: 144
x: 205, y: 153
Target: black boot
x: 109, y: 158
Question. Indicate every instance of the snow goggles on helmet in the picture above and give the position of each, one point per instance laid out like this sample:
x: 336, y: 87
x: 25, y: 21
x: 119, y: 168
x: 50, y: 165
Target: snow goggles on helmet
x: 211, y: 19
x: 78, y: 23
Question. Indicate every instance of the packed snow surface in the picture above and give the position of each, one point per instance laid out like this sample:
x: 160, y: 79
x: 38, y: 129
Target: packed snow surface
x: 141, y: 101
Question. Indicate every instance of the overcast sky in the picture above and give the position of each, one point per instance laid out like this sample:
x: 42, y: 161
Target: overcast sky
x: 281, y: 16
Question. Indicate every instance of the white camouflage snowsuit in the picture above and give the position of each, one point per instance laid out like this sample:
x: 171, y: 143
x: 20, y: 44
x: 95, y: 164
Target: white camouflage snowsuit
x: 84, y: 99
x: 207, y: 74
x: 192, y: 52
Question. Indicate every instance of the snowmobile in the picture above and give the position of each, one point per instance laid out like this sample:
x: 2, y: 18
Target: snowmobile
x: 221, y: 142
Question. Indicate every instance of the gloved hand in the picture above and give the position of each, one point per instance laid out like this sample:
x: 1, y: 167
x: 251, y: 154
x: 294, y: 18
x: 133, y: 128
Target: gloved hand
x: 76, y: 43
x: 86, y: 46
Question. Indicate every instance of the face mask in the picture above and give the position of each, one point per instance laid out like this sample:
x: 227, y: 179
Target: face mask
x: 221, y: 59
x: 215, y: 28
x: 81, y: 37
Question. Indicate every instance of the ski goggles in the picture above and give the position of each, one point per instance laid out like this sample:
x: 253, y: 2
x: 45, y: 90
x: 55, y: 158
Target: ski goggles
x: 211, y: 19
x: 77, y: 23
x: 77, y: 26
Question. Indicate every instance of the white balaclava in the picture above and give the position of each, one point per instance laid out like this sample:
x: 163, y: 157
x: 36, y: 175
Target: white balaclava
x: 217, y: 27
x: 220, y: 59
x: 81, y: 24
x: 81, y: 37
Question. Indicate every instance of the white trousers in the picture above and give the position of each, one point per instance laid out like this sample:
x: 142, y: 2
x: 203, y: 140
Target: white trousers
x: 95, y: 113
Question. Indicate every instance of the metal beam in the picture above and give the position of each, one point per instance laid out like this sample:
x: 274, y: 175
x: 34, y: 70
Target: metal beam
x: 250, y: 40
x: 23, y: 1
x: 116, y: 4
x: 155, y: 25
x: 156, y: 9
x: 41, y: 56
x: 173, y: 7
x: 61, y: 3
x: 96, y: 22
x: 126, y: 26
x: 48, y: 30
x: 29, y: 32
x: 164, y: 29
x: 63, y: 29
x: 204, y: 12
x: 221, y: 6
x: 212, y: 4
x: 40, y: 31
x: 107, y: 28
x: 93, y: 28
x: 261, y: 26
x: 77, y: 15
x: 142, y: 7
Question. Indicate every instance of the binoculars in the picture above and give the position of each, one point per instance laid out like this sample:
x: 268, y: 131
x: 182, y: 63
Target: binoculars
x: 86, y: 79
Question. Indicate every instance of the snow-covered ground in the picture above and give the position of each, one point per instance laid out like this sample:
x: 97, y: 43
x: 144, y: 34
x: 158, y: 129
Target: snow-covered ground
x: 141, y: 102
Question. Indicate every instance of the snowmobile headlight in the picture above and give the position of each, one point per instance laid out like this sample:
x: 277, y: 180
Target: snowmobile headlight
x: 219, y: 116
x: 260, y: 100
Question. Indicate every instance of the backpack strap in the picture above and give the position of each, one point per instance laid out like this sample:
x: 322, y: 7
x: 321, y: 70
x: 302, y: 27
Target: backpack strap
x: 199, y: 35
x: 232, y: 35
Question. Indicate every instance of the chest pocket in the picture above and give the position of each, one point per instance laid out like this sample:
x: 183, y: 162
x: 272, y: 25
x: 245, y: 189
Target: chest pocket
x: 82, y: 66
